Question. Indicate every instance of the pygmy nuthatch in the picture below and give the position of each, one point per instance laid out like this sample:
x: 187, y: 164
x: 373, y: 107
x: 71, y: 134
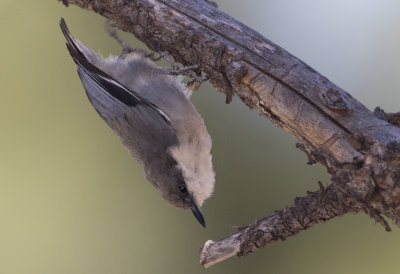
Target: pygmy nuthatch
x: 151, y: 113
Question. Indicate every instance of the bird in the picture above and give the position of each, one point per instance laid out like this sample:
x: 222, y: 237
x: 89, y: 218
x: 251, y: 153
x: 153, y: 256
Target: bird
x: 152, y: 114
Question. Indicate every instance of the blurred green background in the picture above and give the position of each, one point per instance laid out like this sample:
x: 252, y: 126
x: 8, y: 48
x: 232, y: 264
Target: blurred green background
x: 73, y: 200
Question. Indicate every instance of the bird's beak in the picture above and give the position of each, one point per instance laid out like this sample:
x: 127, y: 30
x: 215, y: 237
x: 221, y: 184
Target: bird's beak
x: 197, y: 213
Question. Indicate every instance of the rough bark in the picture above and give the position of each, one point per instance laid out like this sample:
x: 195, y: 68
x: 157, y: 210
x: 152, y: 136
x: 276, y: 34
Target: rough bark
x: 304, y: 213
x: 361, y: 149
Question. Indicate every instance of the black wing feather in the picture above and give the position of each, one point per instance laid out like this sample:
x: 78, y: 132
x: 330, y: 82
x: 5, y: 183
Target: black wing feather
x: 108, y: 83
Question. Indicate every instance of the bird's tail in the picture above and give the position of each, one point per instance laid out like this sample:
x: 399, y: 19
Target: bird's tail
x: 72, y: 46
x: 81, y: 54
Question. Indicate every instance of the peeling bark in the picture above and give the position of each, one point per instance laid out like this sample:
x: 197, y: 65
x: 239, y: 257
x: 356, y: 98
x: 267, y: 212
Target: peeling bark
x: 361, y: 149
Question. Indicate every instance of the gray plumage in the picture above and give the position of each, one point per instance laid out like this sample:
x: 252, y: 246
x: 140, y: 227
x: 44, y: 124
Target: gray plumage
x: 151, y: 113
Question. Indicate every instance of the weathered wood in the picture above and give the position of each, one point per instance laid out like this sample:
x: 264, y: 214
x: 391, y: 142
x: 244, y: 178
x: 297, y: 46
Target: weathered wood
x: 317, y: 207
x: 359, y: 148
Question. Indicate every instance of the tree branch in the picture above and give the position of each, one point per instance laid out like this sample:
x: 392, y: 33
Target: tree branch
x: 359, y: 148
x: 317, y: 207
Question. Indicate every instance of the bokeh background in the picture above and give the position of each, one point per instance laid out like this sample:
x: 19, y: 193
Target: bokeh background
x: 73, y: 200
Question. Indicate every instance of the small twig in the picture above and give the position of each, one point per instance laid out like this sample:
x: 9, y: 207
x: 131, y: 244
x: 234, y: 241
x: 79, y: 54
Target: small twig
x: 177, y: 70
x: 126, y: 49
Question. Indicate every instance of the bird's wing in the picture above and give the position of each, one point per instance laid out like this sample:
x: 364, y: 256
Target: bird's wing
x: 143, y: 127
x: 105, y: 81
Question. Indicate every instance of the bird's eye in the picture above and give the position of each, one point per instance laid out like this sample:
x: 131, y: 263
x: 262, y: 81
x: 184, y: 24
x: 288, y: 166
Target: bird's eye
x: 183, y: 189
